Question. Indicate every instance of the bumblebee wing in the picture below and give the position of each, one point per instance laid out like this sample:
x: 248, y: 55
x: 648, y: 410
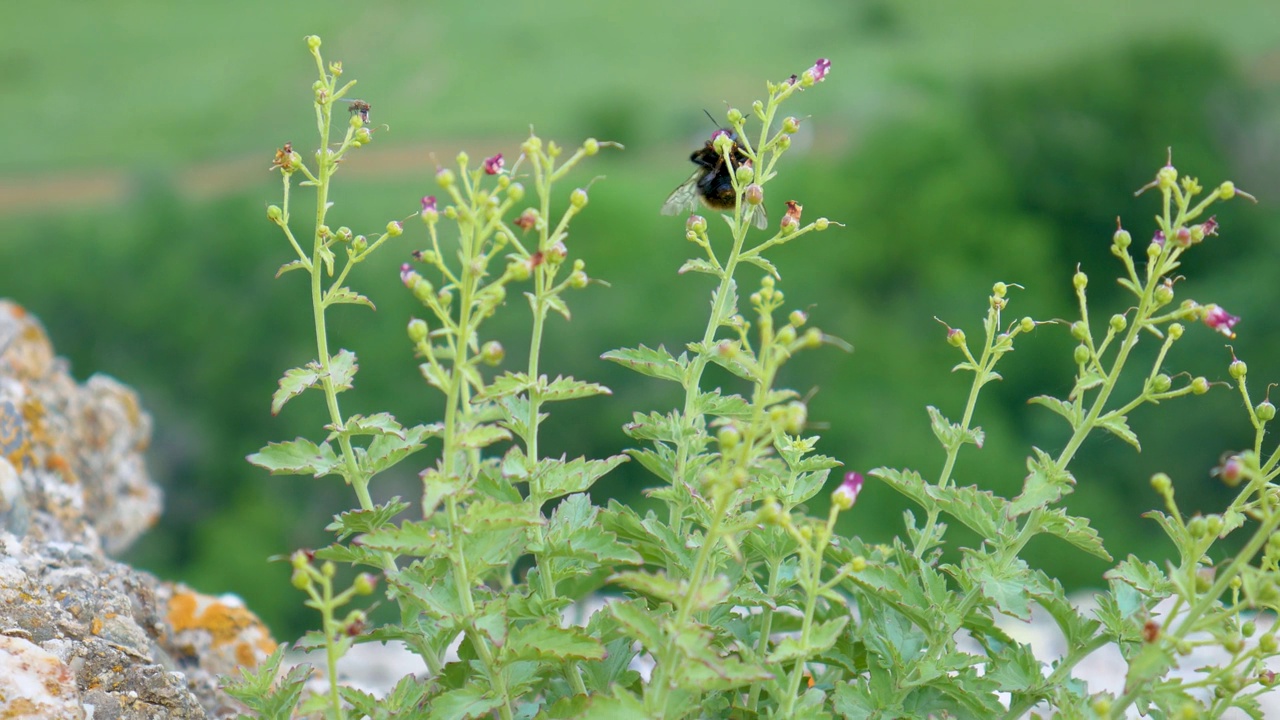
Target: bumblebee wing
x: 761, y: 217
x: 684, y: 198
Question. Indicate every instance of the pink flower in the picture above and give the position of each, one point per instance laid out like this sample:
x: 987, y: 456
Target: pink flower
x: 428, y: 204
x: 406, y: 274
x: 845, y: 495
x: 1158, y: 238
x: 820, y: 69
x: 493, y: 165
x: 1221, y: 320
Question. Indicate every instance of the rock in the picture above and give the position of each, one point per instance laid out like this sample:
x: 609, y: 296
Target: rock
x: 81, y: 635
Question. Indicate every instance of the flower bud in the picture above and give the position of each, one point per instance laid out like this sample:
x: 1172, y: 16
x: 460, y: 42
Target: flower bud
x: 328, y: 569
x: 359, y: 244
x: 275, y: 214
x: 744, y: 173
x: 299, y: 559
x: 1122, y: 239
x: 1176, y: 330
x: 463, y: 158
x: 1227, y: 190
x: 365, y: 583
x: 1119, y: 322
x: 1026, y: 324
x: 754, y: 194
x: 363, y: 136
x: 299, y: 579
x: 557, y: 253
x: 999, y: 290
x: 518, y: 270
x: 955, y: 337
x: 858, y: 563
x: 1198, y: 528
x: 1079, y: 330
x: 1230, y: 472
x: 821, y: 224
x: 418, y: 330
x: 797, y: 318
x: 578, y: 280
x: 1161, y: 483
x: 734, y: 116
x: 1080, y: 280
x: 1167, y: 177
x: 1154, y: 249
x: 770, y: 512
x: 1213, y: 524
x: 790, y: 125
x: 812, y: 338
x: 784, y: 143
x: 1265, y: 411
x: 423, y: 291
x: 1237, y: 369
x: 722, y: 141
x: 491, y: 353
x: 757, y: 107
x: 696, y: 224
x: 394, y: 228
x: 1081, y: 354
x: 1182, y: 237
x: 444, y: 177
x: 492, y: 165
x: 578, y: 198
x: 313, y: 42
x: 728, y: 437
x: 515, y: 191
x: 797, y: 417
x: 786, y: 335
x: 1161, y: 383
x: 1268, y: 643
x: 1199, y: 386
x: 1164, y: 293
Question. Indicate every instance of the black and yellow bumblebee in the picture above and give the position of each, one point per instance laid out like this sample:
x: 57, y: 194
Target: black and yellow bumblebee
x: 713, y: 182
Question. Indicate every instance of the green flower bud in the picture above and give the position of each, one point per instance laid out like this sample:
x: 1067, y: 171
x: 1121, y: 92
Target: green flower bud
x: 1227, y: 190
x: 1161, y: 383
x: 784, y: 143
x: 1026, y: 325
x: 360, y: 244
x: 1267, y: 643
x: 1101, y: 706
x: 365, y: 583
x: 758, y: 108
x: 275, y: 214
x: 532, y: 146
x: 797, y: 417
x: 444, y: 297
x: 1122, y: 239
x: 362, y: 137
x: 821, y: 224
x: 1237, y: 369
x: 463, y: 158
x: 734, y: 116
x: 1233, y: 644
x: 578, y: 280
x: 858, y: 564
x: 394, y: 228
x: 955, y: 337
x: 1249, y: 628
x: 356, y: 122
x: 418, y: 330
x: 770, y: 512
x: 1119, y: 322
x: 1167, y: 177
x: 754, y: 194
x: 557, y: 253
x: 728, y: 437
x: 1164, y: 293
x: 696, y: 224
x: 790, y: 125
x: 1176, y: 330
x: 300, y: 579
x: 1199, y: 386
x: 328, y: 569
x: 519, y: 270
x: 1198, y: 528
x: 722, y: 143
x: 787, y: 335
x: 744, y: 173
x: 491, y: 353
x: 444, y: 177
x: 298, y: 559
x: 1265, y: 411
x: 344, y: 234
x: 590, y: 146
x: 1183, y: 648
x: 797, y: 318
x: 1080, y: 280
x: 1161, y: 483
x: 1213, y: 524
x: 999, y: 289
x: 1081, y: 354
x: 313, y: 42
x: 578, y: 198
x: 515, y: 192
x: 812, y: 338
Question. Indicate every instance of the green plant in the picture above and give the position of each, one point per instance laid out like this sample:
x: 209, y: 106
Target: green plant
x: 738, y: 601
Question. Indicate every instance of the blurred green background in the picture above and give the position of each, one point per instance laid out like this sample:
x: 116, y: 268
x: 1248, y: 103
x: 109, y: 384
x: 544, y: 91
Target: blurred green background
x: 960, y: 143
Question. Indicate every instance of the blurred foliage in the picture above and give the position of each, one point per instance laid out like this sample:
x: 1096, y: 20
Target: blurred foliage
x: 1014, y: 177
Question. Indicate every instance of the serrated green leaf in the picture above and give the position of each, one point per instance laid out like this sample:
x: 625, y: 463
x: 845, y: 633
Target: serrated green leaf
x: 760, y: 262
x: 656, y: 363
x: 482, y: 436
x: 554, y: 478
x: 504, y: 385
x: 700, y: 265
x: 294, y: 382
x: 982, y: 511
x: 1074, y: 530
x: 466, y: 703
x: 259, y: 689
x: 377, y: 424
x: 437, y: 376
x: 638, y: 621
x: 566, y: 388
x: 728, y: 304
x: 1044, y: 484
x: 822, y: 636
x: 1145, y: 577
x: 906, y: 482
x: 726, y: 406
x: 573, y: 531
x: 555, y: 302
x: 377, y: 517
x: 1088, y: 381
x: 1069, y: 411
x: 622, y: 705
x: 385, y: 451
x: 345, y: 295
x: 654, y: 584
x: 290, y: 266
x: 541, y: 641
x: 342, y: 368
x: 1118, y: 425
x: 413, y: 538
x: 297, y: 457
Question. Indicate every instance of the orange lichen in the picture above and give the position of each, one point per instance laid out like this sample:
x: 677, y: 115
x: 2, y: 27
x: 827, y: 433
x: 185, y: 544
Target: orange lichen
x: 226, y: 624
x: 17, y: 311
x: 95, y: 626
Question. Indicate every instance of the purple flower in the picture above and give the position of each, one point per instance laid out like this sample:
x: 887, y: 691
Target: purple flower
x: 820, y: 69
x: 428, y: 204
x: 845, y: 495
x: 406, y: 274
x: 1210, y: 226
x: 493, y: 165
x: 1221, y: 320
x: 1158, y: 238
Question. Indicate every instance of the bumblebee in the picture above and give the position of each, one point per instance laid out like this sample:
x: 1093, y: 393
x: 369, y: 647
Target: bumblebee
x: 713, y: 182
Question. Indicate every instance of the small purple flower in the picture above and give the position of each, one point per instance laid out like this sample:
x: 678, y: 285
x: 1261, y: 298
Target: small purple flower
x: 1210, y: 226
x: 820, y: 69
x: 845, y: 495
x: 493, y: 165
x: 428, y: 204
x: 1158, y: 238
x: 718, y: 133
x: 406, y: 274
x: 1221, y: 320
